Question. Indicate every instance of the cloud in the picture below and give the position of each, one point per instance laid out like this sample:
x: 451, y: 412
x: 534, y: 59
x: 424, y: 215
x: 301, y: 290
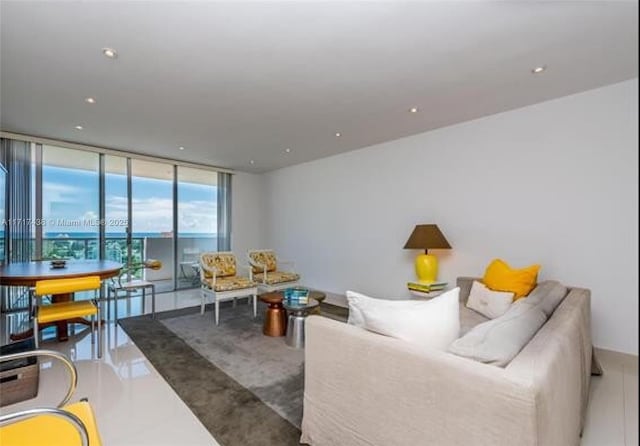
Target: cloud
x: 149, y: 214
x: 156, y: 214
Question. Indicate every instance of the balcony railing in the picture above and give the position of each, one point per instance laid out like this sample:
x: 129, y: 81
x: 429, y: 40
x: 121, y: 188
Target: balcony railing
x: 161, y: 248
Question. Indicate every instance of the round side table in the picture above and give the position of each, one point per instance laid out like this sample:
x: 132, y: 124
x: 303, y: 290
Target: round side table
x: 295, y: 325
x: 275, y: 319
x: 320, y: 297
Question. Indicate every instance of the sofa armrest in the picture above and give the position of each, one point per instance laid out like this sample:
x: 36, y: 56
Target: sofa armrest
x: 362, y: 388
x: 557, y: 363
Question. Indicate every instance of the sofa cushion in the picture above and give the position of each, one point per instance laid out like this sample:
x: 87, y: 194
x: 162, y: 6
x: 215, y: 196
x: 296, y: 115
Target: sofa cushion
x: 489, y: 303
x: 264, y: 258
x: 230, y: 283
x: 276, y: 277
x: 499, y: 340
x: 547, y: 296
x: 501, y: 277
x: 433, y: 323
x: 224, y: 264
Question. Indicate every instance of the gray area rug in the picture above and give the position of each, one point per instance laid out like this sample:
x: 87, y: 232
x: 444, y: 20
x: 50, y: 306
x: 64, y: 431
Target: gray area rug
x: 246, y: 388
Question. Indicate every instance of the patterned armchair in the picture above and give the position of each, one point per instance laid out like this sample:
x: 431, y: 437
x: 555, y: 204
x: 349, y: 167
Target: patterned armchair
x: 270, y: 273
x: 219, y: 278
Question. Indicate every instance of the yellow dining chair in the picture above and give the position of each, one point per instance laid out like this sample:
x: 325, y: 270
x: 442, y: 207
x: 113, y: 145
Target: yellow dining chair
x: 55, y: 312
x: 63, y: 425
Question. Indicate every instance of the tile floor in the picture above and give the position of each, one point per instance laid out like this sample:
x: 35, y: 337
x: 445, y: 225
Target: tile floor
x: 136, y: 407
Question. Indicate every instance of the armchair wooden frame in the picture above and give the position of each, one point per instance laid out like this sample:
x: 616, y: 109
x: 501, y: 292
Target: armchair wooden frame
x: 209, y: 285
x: 262, y: 284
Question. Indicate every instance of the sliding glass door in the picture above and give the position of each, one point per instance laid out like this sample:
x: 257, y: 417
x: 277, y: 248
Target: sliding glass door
x: 152, y: 218
x: 70, y: 204
x: 89, y: 205
x: 116, y: 210
x: 197, y: 221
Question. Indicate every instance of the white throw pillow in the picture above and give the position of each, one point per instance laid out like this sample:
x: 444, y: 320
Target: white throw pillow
x: 490, y: 303
x: 433, y: 323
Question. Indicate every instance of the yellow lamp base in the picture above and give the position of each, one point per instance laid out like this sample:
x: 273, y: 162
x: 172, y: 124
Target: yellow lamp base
x: 426, y: 268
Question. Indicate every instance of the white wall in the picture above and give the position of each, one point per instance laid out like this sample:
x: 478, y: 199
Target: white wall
x: 247, y: 213
x: 554, y: 183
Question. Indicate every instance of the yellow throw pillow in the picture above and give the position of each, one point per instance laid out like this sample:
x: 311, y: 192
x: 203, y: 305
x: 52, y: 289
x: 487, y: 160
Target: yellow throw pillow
x: 501, y: 277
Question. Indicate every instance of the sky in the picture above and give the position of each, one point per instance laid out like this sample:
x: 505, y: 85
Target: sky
x: 70, y: 203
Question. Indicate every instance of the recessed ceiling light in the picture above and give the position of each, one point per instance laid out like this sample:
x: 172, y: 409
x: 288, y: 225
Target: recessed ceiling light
x: 78, y: 127
x: 413, y: 109
x: 180, y: 148
x: 110, y: 53
x: 538, y: 70
x: 252, y: 162
x: 287, y: 150
x: 90, y: 100
x: 338, y: 134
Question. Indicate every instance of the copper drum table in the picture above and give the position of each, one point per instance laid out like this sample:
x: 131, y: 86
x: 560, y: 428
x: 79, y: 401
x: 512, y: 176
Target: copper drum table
x: 275, y: 319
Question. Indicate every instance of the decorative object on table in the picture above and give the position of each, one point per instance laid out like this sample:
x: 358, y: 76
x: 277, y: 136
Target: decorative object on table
x: 58, y: 263
x: 426, y: 287
x: 220, y: 280
x: 127, y: 283
x: 499, y: 276
x: 271, y: 273
x: 297, y: 294
x: 427, y: 237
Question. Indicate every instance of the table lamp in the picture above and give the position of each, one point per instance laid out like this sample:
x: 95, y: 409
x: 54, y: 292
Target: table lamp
x: 427, y: 237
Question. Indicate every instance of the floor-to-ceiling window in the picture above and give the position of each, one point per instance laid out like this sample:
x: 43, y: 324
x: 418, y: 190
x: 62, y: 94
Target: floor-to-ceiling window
x: 70, y: 204
x: 152, y: 217
x: 116, y: 211
x: 197, y: 221
x: 93, y: 205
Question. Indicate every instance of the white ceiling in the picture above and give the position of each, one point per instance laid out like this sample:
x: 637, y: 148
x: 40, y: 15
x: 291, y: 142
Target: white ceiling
x: 234, y: 82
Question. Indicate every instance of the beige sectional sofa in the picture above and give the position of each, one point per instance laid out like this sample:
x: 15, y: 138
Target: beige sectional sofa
x: 362, y: 388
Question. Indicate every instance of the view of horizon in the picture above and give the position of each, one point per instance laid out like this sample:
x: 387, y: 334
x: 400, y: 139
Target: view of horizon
x: 70, y: 202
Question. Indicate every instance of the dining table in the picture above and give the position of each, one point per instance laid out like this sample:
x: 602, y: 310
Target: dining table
x: 26, y: 274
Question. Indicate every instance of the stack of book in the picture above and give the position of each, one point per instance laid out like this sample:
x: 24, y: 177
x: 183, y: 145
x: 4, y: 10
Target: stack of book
x: 426, y: 287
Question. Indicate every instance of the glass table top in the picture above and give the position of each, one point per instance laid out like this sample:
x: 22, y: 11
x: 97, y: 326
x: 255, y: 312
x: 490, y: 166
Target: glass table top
x: 298, y: 305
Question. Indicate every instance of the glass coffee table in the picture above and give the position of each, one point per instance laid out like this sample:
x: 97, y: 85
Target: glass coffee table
x: 298, y: 312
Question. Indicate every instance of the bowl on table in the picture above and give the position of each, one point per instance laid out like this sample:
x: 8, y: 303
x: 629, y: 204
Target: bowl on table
x: 56, y: 264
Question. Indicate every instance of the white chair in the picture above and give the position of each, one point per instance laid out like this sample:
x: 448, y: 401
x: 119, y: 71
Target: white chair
x: 270, y: 273
x: 220, y: 281
x: 189, y: 264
